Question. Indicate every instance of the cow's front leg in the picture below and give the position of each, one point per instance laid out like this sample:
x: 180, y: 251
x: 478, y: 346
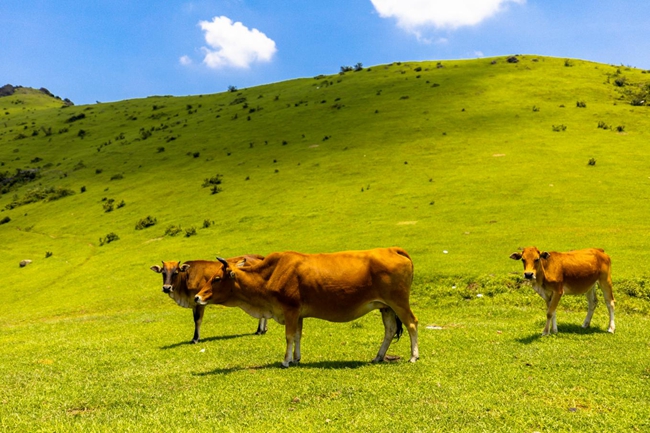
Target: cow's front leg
x: 551, y: 320
x: 197, y: 312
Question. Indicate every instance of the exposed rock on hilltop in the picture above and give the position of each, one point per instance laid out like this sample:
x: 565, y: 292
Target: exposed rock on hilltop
x: 8, y: 90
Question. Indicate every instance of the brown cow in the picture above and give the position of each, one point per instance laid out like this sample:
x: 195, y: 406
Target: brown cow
x: 182, y: 283
x: 337, y: 287
x: 573, y: 273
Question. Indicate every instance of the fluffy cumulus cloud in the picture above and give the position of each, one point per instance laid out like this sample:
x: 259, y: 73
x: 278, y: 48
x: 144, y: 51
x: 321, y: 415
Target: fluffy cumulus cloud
x: 234, y: 44
x: 413, y: 15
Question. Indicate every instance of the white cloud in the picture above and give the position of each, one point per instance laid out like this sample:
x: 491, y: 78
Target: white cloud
x: 185, y: 60
x: 413, y: 15
x: 234, y: 44
x: 478, y: 53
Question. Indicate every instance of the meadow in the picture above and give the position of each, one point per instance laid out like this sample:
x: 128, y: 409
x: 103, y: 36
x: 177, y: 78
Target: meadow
x: 458, y: 162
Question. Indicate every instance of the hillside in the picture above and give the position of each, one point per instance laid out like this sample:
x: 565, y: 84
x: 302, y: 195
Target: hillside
x: 459, y: 162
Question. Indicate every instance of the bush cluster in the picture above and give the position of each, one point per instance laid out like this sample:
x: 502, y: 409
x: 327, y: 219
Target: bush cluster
x: 40, y: 194
x: 148, y: 221
x: 111, y: 237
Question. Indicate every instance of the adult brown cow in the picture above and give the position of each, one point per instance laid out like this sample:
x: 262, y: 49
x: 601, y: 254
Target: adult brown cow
x: 183, y: 281
x: 337, y: 287
x: 573, y: 273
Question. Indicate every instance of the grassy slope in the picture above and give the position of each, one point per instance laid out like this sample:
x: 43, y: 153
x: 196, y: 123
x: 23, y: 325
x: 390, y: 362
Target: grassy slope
x: 466, y: 167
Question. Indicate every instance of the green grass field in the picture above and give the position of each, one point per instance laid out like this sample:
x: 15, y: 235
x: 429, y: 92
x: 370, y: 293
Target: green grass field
x: 460, y: 165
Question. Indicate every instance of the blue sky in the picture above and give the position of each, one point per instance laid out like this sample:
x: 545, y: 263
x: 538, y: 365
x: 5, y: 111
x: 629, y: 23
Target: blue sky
x: 110, y: 50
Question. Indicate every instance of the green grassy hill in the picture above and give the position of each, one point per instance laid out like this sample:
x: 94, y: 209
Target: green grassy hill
x: 476, y: 158
x: 458, y: 162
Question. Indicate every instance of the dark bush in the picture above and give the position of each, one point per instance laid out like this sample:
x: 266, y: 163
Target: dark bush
x: 148, y: 221
x: 75, y: 118
x: 5, y: 220
x: 190, y: 232
x: 581, y: 104
x: 173, y: 230
x: 592, y: 161
x: 48, y: 254
x: 620, y: 128
x: 111, y: 237
x: 559, y: 128
x: 83, y: 189
x: 117, y: 176
x: 40, y: 194
x: 603, y: 125
x: 207, y: 223
x: 214, y: 180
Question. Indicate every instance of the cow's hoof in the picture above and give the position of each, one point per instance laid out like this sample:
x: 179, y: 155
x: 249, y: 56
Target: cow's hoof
x: 377, y: 360
x: 194, y: 341
x: 283, y: 365
x: 413, y: 359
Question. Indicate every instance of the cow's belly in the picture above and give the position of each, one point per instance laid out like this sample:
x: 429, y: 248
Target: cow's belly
x: 341, y: 312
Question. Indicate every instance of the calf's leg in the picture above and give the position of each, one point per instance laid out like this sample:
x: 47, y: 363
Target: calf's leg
x: 606, y: 286
x: 592, y: 301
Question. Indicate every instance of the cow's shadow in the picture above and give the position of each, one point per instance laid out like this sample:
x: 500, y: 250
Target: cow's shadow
x: 321, y: 365
x: 563, y: 329
x: 206, y: 340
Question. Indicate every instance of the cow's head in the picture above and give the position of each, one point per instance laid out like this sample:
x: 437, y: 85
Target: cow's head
x: 170, y: 272
x: 214, y: 287
x: 531, y: 258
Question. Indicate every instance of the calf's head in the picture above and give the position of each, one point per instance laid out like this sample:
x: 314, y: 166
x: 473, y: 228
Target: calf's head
x: 531, y: 258
x: 170, y: 272
x: 215, y: 288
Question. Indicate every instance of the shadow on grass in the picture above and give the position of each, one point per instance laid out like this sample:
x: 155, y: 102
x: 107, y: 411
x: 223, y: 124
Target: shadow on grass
x: 321, y: 365
x: 564, y: 329
x: 205, y: 340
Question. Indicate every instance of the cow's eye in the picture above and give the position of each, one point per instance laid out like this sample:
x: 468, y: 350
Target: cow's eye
x: 537, y: 259
x: 216, y: 279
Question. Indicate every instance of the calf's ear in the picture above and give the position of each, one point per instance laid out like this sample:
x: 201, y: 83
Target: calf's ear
x: 545, y: 255
x: 156, y: 268
x: 515, y: 256
x: 184, y: 267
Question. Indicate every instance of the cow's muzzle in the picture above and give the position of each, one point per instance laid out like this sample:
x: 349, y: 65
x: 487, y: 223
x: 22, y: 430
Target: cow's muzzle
x: 199, y: 301
x: 168, y: 289
x: 529, y: 275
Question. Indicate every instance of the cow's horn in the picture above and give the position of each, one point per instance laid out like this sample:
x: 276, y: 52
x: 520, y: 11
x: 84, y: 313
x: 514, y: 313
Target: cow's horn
x: 222, y: 261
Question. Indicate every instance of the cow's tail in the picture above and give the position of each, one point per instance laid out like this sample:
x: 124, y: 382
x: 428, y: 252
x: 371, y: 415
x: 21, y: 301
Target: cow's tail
x: 400, y: 328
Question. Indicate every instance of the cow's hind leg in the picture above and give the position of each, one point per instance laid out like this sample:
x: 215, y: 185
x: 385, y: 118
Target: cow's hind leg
x: 291, y: 328
x: 390, y: 329
x: 592, y: 301
x: 197, y: 312
x: 296, y: 342
x: 261, y: 327
x: 605, y: 284
x: 411, y: 322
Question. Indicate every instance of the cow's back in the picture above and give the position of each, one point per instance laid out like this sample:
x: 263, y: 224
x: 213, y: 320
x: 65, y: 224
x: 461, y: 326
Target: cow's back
x: 324, y: 285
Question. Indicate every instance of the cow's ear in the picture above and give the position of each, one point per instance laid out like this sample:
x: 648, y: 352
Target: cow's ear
x: 184, y: 267
x: 545, y: 255
x: 156, y: 268
x: 241, y: 263
x: 515, y: 256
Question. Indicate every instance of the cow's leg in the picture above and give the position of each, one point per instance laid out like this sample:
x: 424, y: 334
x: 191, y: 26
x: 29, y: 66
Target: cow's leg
x: 591, y: 299
x: 550, y: 313
x: 411, y: 322
x: 197, y: 312
x: 296, y: 343
x: 291, y: 325
x: 261, y: 327
x: 605, y: 284
x: 390, y: 329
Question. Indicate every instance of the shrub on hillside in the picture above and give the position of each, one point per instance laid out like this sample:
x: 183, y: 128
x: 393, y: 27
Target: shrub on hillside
x: 5, y: 220
x: 559, y: 128
x: 111, y: 237
x: 213, y: 182
x: 40, y: 194
x: 581, y: 104
x: 173, y: 230
x: 190, y: 232
x: 148, y: 221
